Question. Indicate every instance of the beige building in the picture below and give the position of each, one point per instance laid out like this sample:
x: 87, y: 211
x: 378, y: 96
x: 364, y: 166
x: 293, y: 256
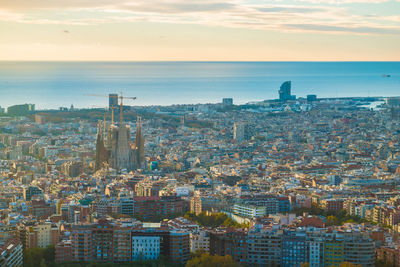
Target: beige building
x: 200, y: 241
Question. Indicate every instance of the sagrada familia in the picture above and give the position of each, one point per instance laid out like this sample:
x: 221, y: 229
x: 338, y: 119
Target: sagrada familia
x: 117, y: 151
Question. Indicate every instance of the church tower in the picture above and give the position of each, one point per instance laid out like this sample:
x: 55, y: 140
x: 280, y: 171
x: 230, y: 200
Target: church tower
x: 101, y: 150
x: 139, y: 143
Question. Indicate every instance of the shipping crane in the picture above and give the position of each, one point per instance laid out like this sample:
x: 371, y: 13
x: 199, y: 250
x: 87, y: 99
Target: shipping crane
x: 121, y: 116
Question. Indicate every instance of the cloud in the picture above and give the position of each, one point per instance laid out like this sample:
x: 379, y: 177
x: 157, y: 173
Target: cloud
x: 321, y: 16
x: 290, y: 9
x: 340, y: 29
x: 340, y: 2
x: 176, y: 6
x: 166, y: 6
x: 53, y: 4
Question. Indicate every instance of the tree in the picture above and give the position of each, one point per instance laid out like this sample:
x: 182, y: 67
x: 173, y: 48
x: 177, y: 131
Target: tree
x: 332, y: 220
x: 49, y: 254
x: 28, y: 260
x: 214, y: 220
x: 348, y: 264
x: 207, y: 260
x: 43, y: 257
x: 381, y: 263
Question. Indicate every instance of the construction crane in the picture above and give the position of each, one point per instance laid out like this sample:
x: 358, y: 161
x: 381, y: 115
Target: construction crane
x: 121, y: 116
x: 105, y: 108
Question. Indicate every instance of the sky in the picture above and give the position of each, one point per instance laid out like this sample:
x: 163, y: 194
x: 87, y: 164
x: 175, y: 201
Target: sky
x: 200, y: 30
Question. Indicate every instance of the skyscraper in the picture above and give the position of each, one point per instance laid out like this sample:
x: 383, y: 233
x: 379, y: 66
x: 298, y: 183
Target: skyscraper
x: 227, y: 101
x: 285, y: 92
x: 112, y: 100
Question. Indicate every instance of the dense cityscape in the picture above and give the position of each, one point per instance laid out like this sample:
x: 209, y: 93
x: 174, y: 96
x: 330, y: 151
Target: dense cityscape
x: 287, y: 182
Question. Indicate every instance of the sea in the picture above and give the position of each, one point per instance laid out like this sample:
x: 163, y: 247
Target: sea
x: 50, y: 85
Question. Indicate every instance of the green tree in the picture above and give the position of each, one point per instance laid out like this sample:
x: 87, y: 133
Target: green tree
x: 332, y: 220
x: 207, y: 260
x: 214, y: 220
x: 49, y: 254
x: 348, y: 264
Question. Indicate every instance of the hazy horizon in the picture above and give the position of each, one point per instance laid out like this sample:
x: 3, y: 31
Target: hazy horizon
x: 55, y: 84
x: 211, y: 30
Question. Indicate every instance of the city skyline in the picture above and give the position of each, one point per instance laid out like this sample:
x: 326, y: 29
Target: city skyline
x: 235, y: 30
x: 188, y: 133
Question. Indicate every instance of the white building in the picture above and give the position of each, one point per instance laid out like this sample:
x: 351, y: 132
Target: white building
x: 238, y: 131
x: 145, y: 247
x: 200, y: 241
x: 249, y: 211
x: 43, y: 234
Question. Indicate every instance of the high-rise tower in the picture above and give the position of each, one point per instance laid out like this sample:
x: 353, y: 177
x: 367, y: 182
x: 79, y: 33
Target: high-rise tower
x: 112, y: 100
x: 285, y: 92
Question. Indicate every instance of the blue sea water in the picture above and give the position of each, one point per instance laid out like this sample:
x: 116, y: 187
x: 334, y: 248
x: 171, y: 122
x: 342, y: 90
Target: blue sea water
x: 55, y: 84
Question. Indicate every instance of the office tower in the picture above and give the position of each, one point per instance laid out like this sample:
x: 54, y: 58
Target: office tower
x: 227, y: 101
x: 101, y: 150
x: 311, y: 98
x: 112, y: 100
x: 285, y: 92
